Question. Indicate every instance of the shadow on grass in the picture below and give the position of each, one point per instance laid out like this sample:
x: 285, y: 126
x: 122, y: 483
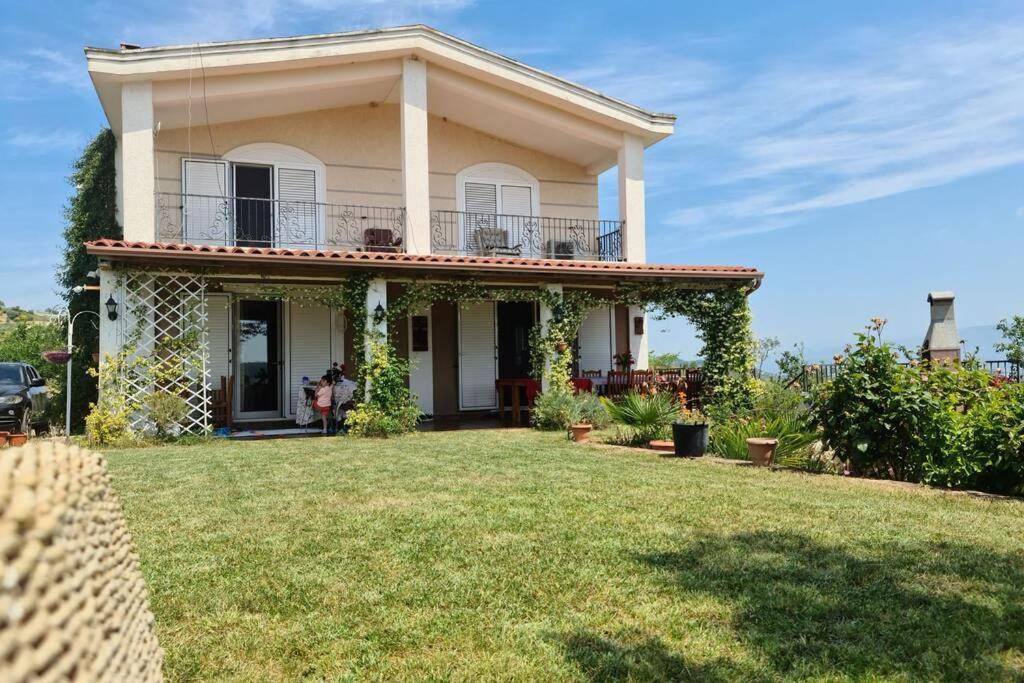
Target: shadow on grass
x: 803, y: 609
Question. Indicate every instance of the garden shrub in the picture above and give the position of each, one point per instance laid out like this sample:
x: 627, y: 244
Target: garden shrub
x: 166, y: 411
x: 558, y: 408
x: 987, y: 450
x: 643, y: 417
x: 388, y: 407
x: 776, y: 412
x: 107, y: 424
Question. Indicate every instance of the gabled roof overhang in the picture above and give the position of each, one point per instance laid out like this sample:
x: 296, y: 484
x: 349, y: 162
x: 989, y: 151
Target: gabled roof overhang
x: 109, y: 68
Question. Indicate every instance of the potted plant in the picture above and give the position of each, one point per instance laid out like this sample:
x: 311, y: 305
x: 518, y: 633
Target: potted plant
x: 690, y: 433
x: 3, y: 438
x: 18, y: 439
x: 624, y: 360
x: 581, y: 431
x: 762, y: 450
x: 58, y: 357
x: 561, y: 346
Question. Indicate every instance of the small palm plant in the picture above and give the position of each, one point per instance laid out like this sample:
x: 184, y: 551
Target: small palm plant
x: 646, y: 417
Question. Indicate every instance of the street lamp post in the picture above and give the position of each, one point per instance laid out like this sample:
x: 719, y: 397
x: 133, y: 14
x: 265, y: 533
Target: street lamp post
x: 67, y: 388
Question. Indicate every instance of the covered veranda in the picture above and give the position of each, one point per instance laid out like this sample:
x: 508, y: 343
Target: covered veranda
x: 473, y: 328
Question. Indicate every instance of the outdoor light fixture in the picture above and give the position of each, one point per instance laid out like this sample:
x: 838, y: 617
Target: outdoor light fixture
x: 111, y: 308
x: 379, y: 313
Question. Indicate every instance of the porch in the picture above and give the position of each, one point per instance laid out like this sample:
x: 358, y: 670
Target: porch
x: 253, y: 327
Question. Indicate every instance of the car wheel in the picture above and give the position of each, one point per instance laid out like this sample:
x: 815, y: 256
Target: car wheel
x: 43, y: 427
x: 26, y: 422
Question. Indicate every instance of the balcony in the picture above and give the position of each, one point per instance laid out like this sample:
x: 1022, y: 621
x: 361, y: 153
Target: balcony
x: 250, y: 222
x: 485, y: 234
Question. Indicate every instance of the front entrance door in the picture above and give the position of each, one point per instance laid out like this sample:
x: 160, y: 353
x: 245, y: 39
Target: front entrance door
x: 254, y: 214
x: 515, y: 320
x: 259, y: 359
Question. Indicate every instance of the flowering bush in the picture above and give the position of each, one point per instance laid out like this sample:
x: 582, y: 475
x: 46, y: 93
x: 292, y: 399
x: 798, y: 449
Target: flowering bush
x: 388, y: 407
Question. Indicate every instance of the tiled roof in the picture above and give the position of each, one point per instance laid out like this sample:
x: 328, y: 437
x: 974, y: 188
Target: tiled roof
x: 386, y: 259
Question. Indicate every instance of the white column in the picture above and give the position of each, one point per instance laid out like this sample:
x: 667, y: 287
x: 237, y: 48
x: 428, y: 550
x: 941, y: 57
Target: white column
x: 110, y: 330
x: 376, y: 294
x: 631, y: 199
x: 545, y: 319
x: 137, y: 164
x: 421, y: 367
x: 415, y: 166
x: 638, y: 344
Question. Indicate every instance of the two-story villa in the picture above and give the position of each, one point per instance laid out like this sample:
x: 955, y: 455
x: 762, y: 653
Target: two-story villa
x: 403, y: 152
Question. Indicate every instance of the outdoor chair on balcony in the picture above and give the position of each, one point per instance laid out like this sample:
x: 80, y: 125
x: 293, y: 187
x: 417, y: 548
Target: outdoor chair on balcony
x: 494, y: 242
x: 381, y: 239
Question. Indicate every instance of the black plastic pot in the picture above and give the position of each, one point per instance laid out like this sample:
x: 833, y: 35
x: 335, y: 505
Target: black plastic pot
x: 690, y: 440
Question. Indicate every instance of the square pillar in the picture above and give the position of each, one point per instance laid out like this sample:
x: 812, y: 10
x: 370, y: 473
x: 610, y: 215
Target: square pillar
x: 415, y: 166
x: 376, y: 294
x: 545, y: 319
x: 631, y: 199
x: 638, y: 343
x: 111, y: 331
x: 137, y: 162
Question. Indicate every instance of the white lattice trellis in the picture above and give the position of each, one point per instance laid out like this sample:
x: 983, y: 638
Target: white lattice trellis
x: 166, y: 318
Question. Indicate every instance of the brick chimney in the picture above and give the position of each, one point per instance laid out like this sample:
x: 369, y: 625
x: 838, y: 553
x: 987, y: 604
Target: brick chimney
x: 943, y: 340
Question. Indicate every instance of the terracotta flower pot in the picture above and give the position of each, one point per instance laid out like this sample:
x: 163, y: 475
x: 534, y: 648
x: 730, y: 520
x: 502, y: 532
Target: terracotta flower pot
x: 561, y: 347
x: 4, y: 436
x: 18, y: 439
x: 581, y: 433
x: 762, y: 451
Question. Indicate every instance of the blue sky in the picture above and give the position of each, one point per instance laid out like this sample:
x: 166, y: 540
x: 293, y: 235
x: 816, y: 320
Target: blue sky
x: 861, y: 154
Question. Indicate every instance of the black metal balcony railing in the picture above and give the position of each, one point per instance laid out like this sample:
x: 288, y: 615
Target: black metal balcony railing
x: 250, y: 222
x: 483, y: 234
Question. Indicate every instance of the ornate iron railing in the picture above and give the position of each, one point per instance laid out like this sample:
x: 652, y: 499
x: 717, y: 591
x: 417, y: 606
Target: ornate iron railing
x: 484, y: 234
x: 250, y: 222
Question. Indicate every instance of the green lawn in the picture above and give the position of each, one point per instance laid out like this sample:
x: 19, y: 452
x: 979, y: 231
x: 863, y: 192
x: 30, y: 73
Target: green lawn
x: 482, y: 555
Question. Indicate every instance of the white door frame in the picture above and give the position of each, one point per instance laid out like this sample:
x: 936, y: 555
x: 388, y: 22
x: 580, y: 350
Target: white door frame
x: 282, y: 349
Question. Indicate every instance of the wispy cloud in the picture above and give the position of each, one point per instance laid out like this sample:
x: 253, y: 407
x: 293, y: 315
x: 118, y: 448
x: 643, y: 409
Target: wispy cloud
x: 870, y: 115
x: 43, y: 141
x: 206, y: 20
x: 41, y: 71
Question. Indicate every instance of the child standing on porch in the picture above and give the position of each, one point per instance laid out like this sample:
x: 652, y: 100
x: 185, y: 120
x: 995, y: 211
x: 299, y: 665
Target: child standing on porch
x: 322, y: 400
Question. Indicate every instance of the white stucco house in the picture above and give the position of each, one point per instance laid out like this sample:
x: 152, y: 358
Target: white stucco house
x: 403, y: 152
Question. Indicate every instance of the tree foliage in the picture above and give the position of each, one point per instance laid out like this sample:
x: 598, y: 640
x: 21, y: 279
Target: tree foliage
x: 25, y: 342
x: 1013, y: 339
x: 90, y: 214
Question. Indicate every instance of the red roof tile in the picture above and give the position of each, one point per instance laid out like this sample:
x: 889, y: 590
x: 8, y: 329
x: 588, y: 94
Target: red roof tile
x: 113, y: 248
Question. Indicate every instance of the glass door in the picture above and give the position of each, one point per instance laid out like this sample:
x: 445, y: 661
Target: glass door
x: 259, y: 359
x: 254, y: 215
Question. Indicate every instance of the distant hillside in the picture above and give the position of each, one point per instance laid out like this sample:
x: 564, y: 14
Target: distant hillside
x: 982, y: 337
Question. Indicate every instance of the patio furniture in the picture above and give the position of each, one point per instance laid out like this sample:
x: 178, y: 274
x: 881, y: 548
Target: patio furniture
x: 494, y: 242
x: 221, y: 400
x: 617, y: 384
x: 694, y: 388
x: 582, y: 384
x: 380, y: 239
x: 530, y: 387
x: 591, y: 374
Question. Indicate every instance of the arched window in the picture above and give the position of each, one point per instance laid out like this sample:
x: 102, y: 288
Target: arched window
x: 273, y: 194
x: 494, y: 188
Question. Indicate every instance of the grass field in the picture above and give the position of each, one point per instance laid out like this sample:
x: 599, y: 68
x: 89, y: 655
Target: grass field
x: 483, y: 555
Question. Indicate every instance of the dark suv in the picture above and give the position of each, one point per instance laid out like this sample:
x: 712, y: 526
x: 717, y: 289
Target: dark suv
x: 23, y: 399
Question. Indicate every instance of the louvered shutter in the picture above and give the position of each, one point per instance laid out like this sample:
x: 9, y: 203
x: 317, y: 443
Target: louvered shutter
x: 218, y: 336
x: 298, y: 211
x: 481, y: 206
x: 595, y: 339
x: 206, y: 209
x: 477, y: 362
x: 309, y: 351
x: 516, y: 200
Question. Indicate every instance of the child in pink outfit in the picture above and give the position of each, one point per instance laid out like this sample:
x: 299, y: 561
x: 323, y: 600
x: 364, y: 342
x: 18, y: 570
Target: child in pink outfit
x: 322, y: 400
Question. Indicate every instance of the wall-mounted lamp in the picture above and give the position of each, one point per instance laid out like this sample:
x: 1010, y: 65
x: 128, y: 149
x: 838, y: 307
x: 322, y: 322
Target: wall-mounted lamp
x: 638, y: 325
x: 379, y: 313
x: 111, y: 308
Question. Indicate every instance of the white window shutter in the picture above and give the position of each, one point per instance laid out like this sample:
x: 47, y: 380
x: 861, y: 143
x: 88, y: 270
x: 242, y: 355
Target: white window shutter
x: 206, y: 209
x: 481, y: 198
x: 478, y: 367
x: 298, y: 211
x: 516, y: 200
x: 309, y: 348
x: 595, y: 338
